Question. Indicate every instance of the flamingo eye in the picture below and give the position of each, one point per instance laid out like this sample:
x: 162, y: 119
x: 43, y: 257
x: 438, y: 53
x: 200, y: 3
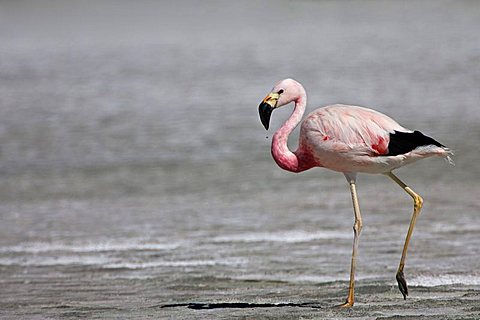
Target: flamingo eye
x: 281, y: 91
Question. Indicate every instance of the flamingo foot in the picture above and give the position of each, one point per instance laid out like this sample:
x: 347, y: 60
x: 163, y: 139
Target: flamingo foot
x: 347, y: 304
x: 402, y: 284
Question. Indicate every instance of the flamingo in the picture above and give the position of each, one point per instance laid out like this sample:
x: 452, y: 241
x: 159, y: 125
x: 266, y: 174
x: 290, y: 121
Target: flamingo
x: 348, y: 139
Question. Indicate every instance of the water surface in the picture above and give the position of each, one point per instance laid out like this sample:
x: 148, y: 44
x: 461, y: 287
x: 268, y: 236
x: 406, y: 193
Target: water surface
x: 136, y: 174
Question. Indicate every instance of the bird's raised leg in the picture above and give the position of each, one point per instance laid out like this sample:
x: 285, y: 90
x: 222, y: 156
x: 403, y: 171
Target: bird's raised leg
x: 417, y: 206
x: 357, y: 228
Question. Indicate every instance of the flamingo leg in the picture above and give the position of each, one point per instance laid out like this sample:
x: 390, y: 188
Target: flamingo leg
x: 417, y: 206
x: 357, y: 228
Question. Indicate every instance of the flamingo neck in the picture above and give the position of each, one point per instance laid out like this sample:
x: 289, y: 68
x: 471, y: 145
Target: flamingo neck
x: 285, y: 158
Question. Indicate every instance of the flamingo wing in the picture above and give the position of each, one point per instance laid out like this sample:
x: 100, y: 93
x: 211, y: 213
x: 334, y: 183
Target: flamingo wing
x: 404, y: 142
x: 356, y: 139
x: 360, y: 130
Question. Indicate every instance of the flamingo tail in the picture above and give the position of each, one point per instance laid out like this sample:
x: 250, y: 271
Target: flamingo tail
x: 404, y: 142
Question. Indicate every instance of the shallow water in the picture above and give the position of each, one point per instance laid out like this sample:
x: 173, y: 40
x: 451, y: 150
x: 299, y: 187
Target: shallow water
x: 136, y: 174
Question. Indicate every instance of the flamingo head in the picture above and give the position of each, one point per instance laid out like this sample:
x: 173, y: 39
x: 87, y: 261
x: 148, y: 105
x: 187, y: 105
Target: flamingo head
x: 283, y: 93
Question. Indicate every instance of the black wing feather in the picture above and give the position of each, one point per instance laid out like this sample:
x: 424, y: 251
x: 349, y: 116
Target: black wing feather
x: 403, y: 142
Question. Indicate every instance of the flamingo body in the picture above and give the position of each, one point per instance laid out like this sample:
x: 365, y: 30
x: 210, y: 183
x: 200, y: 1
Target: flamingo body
x: 348, y: 139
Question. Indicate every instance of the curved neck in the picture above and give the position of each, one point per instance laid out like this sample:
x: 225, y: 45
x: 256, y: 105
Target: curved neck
x: 285, y: 158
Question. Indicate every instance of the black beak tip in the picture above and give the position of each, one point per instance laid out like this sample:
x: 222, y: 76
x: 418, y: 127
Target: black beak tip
x: 266, y: 125
x: 265, y: 111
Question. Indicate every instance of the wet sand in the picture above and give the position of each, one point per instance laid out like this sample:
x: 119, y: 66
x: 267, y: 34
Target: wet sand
x: 222, y: 298
x: 225, y: 267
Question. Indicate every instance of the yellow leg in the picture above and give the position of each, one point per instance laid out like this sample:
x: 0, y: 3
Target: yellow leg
x: 357, y: 228
x: 417, y: 206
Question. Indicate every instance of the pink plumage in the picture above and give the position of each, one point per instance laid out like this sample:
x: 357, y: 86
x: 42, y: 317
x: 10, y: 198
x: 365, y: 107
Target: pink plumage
x: 340, y: 137
x: 348, y: 139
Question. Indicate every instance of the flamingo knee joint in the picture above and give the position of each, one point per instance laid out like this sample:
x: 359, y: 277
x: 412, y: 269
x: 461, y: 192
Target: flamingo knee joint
x: 418, y: 202
x: 357, y: 227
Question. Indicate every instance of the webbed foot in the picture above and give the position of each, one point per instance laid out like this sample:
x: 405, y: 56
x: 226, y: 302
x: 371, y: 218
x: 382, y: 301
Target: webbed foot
x: 347, y: 304
x: 402, y: 284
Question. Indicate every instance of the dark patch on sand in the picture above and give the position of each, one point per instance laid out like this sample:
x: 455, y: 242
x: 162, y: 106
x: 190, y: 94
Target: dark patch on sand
x: 240, y: 305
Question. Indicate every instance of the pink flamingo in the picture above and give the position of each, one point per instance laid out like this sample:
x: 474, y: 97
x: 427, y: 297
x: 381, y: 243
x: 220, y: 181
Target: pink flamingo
x: 348, y: 139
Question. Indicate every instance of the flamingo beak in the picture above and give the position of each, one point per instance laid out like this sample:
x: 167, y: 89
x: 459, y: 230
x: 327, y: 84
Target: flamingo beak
x: 266, y: 107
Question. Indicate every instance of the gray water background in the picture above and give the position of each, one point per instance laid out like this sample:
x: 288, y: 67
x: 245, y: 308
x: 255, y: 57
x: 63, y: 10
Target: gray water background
x: 133, y: 162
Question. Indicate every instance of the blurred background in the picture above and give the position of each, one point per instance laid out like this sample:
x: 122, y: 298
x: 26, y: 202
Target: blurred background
x: 132, y: 158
